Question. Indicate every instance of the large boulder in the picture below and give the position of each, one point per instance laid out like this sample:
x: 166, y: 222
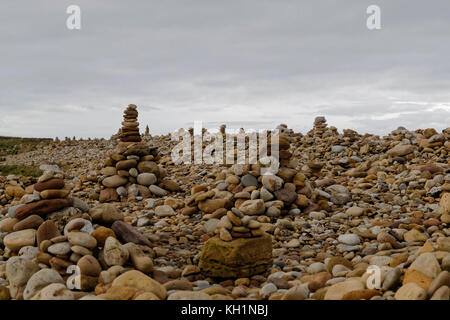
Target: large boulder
x: 237, y: 258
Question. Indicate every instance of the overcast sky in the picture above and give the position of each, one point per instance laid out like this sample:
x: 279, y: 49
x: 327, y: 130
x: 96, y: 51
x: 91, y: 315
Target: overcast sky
x: 251, y: 63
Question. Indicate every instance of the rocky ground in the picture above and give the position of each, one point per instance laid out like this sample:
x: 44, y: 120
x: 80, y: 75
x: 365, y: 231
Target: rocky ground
x: 340, y: 204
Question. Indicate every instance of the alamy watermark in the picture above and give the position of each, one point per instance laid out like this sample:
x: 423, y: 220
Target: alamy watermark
x: 73, y: 22
x: 374, y: 279
x: 238, y: 143
x: 374, y: 20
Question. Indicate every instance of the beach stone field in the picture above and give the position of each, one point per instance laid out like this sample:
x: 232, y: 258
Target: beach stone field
x: 346, y: 216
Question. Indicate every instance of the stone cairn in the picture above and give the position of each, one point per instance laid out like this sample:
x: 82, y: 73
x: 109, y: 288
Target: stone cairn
x: 50, y: 231
x: 48, y: 195
x: 239, y: 211
x: 130, y: 126
x: 321, y: 129
x: 131, y: 172
x: 320, y: 126
x: 147, y: 131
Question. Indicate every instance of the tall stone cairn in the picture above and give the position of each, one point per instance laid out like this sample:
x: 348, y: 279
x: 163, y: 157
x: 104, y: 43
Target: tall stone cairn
x: 130, y: 126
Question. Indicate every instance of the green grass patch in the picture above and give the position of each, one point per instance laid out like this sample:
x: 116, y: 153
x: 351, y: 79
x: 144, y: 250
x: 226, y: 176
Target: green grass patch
x: 27, y: 171
x: 12, y: 145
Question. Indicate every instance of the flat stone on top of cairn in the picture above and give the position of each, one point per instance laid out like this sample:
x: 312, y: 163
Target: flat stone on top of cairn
x: 130, y: 126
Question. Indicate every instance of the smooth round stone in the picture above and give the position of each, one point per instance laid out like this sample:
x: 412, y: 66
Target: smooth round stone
x: 19, y: 239
x: 317, y: 215
x: 253, y: 224
x: 339, y: 269
x: 82, y: 239
x: 410, y: 291
x: 346, y: 248
x: 337, y: 149
x: 78, y: 224
x: 350, y: 239
x: 80, y: 204
x: 202, y: 284
x: 249, y: 180
x: 164, y: 211
x: 122, y: 191
x: 158, y: 191
x: 47, y: 175
x: 58, y: 239
x: 273, y: 212
x: 380, y: 260
x: 115, y: 253
x: 293, y: 243
x: 210, y: 225
x: 232, y: 179
x: 89, y: 266
x: 316, y: 267
x: 151, y: 204
x: 61, y: 248
x: 18, y: 270
x: 108, y: 171
x: 28, y: 198
x: 265, y: 194
x: 133, y: 172
x: 114, y: 181
x: 272, y: 183
x: 81, y: 250
x: 222, y: 186
x: 392, y: 277
x: 54, y: 291
x: 30, y: 222
x: 7, y: 225
x: 40, y: 280
x: 189, y: 295
x: 268, y: 289
x: 254, y: 195
x: 146, y: 179
x: 354, y: 211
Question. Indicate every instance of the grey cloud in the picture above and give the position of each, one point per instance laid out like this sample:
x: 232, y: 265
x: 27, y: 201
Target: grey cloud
x: 257, y: 62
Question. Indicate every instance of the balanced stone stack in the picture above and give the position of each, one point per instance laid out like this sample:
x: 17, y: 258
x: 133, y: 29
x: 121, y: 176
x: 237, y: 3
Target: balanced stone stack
x: 49, y: 194
x: 320, y: 126
x: 284, y: 146
x: 239, y: 211
x: 235, y: 224
x: 96, y: 243
x: 49, y: 198
x: 147, y: 131
x: 130, y: 126
x: 131, y: 172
